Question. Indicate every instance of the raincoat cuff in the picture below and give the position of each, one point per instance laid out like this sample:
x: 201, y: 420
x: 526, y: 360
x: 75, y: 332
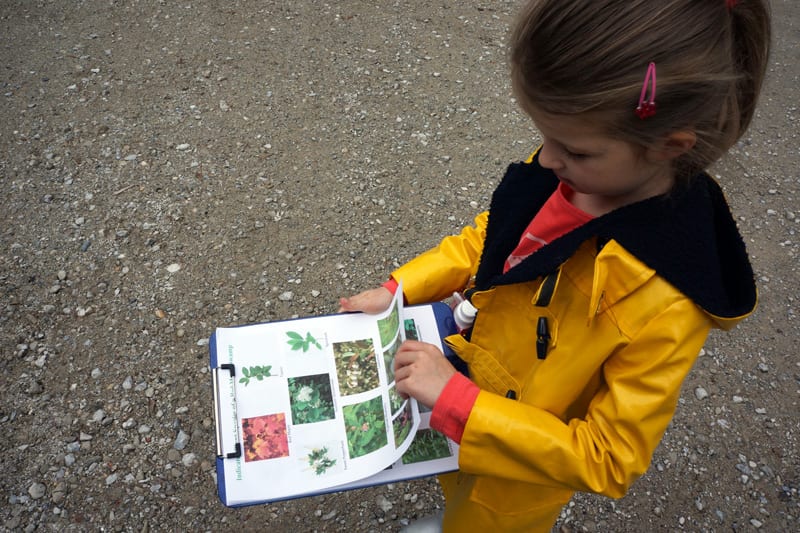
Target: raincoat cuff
x: 391, y: 285
x: 452, y: 409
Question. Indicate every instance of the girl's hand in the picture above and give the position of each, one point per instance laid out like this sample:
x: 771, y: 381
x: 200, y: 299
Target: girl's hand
x: 421, y: 371
x: 371, y: 301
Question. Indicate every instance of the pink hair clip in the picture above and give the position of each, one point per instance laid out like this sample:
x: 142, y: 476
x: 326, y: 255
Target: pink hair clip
x: 647, y: 108
x: 731, y: 4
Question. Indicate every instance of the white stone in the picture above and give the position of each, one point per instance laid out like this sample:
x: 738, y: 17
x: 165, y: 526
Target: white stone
x: 37, y: 490
x: 700, y: 393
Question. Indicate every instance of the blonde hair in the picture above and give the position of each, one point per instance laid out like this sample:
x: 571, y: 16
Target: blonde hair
x: 577, y: 57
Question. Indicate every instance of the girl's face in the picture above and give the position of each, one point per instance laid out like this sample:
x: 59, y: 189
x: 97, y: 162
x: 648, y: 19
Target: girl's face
x: 605, y: 173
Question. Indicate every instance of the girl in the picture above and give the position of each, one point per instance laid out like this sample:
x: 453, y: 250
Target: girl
x: 603, y: 261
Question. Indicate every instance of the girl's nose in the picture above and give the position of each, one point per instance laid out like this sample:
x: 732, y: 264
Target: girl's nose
x: 549, y: 158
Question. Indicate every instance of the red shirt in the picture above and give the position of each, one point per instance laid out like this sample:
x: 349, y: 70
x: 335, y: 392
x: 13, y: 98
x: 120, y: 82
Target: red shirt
x: 556, y: 217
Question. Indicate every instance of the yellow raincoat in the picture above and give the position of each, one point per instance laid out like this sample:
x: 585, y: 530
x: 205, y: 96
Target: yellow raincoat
x: 588, y: 416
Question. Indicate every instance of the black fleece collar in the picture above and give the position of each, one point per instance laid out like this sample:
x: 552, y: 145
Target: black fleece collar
x: 688, y: 237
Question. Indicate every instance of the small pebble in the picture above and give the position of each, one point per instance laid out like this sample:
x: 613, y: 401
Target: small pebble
x: 699, y: 504
x: 181, y: 440
x: 384, y: 503
x: 700, y: 393
x: 35, y: 388
x: 37, y: 490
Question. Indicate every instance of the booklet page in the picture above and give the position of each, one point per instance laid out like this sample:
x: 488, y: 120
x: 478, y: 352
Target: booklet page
x: 313, y: 402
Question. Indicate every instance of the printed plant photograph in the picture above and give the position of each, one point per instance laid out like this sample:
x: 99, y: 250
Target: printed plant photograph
x: 299, y: 342
x: 255, y: 372
x: 321, y: 460
x: 410, y: 326
x: 395, y: 400
x: 402, y: 425
x: 265, y: 437
x: 388, y: 360
x: 311, y: 398
x: 365, y: 427
x: 428, y: 445
x: 356, y: 366
x: 389, y: 326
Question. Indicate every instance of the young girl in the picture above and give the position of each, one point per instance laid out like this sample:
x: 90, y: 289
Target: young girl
x: 603, y: 261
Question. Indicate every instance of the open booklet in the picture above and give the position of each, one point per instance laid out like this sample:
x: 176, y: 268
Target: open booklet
x: 309, y: 405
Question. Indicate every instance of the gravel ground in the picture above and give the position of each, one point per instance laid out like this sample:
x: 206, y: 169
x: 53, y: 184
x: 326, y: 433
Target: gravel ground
x: 171, y: 167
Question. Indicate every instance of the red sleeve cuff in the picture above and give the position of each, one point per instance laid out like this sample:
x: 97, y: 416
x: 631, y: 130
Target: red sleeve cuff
x: 391, y: 285
x: 452, y: 409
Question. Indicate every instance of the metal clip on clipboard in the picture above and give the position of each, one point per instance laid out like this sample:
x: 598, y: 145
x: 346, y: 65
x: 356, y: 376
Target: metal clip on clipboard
x: 218, y: 420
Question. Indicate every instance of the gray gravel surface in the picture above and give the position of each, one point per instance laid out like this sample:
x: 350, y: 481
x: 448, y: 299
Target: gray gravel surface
x: 170, y: 167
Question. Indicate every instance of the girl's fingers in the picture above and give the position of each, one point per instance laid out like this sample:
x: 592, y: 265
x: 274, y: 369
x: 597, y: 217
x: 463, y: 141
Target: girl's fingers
x: 408, y: 353
x: 371, y: 301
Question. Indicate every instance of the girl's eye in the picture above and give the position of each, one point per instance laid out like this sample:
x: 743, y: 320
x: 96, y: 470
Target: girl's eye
x: 574, y: 155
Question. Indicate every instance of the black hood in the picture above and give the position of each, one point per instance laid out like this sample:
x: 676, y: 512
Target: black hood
x: 687, y: 236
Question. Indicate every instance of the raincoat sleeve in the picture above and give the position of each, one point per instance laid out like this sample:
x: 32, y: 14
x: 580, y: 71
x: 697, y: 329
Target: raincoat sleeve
x: 437, y: 273
x: 608, y: 449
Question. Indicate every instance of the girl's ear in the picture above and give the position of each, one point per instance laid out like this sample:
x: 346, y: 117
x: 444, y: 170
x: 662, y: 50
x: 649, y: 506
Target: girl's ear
x: 673, y: 145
